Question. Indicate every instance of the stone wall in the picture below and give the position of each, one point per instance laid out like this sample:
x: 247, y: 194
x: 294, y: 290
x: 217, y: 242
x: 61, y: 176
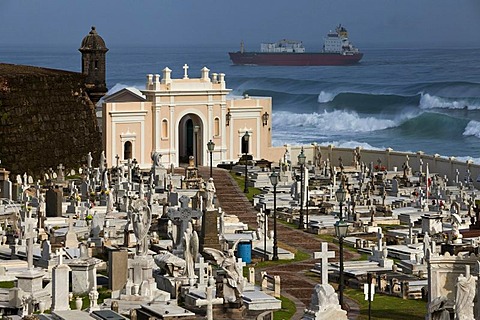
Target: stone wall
x: 46, y: 118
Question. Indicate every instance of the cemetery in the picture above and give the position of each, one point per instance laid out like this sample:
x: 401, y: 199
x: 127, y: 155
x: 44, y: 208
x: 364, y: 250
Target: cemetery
x: 164, y: 242
x: 128, y: 232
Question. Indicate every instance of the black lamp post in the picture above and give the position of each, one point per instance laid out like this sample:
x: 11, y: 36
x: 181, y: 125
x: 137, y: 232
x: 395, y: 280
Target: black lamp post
x: 211, y: 147
x: 246, y: 137
x: 301, y: 161
x: 274, y: 181
x: 341, y: 229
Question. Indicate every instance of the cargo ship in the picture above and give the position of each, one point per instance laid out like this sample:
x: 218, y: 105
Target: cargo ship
x: 337, y: 51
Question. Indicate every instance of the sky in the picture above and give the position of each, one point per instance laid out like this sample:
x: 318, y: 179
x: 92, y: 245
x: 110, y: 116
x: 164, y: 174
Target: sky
x: 371, y: 23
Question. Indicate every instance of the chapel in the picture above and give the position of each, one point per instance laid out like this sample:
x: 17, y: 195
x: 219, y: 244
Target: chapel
x: 178, y: 117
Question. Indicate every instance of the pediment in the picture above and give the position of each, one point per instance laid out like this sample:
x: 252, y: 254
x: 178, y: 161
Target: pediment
x: 126, y: 95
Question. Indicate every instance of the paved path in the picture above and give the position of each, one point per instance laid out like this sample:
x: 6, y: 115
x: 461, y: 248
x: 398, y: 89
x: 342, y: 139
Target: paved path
x: 295, y: 283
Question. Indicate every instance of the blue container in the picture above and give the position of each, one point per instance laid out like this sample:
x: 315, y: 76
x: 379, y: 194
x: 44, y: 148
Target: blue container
x: 245, y: 251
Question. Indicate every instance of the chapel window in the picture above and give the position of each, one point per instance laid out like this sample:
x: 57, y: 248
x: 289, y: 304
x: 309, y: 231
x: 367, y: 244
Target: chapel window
x: 127, y: 150
x: 164, y: 128
x: 216, y: 127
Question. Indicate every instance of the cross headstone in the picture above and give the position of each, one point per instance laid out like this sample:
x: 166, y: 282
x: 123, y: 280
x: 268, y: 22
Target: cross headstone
x: 30, y: 225
x: 202, y: 267
x: 185, y: 71
x: 71, y: 240
x: 210, y: 301
x: 181, y: 217
x: 240, y: 263
x: 324, y: 254
x: 60, y: 175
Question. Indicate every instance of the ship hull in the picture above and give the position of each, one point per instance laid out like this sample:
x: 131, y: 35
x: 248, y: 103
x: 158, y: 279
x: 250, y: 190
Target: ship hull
x: 294, y: 59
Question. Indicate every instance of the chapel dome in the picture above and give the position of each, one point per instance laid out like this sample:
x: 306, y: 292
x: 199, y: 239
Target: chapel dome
x: 93, y: 41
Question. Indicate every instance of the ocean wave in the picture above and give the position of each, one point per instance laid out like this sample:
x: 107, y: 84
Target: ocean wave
x: 447, y: 88
x: 472, y: 129
x: 335, y: 122
x: 428, y: 101
x: 432, y: 125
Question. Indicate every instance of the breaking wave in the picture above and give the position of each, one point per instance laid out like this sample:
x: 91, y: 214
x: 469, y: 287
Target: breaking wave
x: 472, y: 129
x: 428, y: 101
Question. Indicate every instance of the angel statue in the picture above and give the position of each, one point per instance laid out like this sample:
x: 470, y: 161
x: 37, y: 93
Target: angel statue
x: 142, y: 220
x: 190, y: 253
x: 233, y: 289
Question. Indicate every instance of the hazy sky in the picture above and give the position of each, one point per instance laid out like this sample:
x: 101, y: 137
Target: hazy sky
x: 371, y: 23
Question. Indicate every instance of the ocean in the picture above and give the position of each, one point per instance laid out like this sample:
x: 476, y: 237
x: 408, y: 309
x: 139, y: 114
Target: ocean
x: 404, y: 99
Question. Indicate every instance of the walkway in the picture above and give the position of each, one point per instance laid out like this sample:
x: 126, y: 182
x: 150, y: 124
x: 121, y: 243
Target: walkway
x: 295, y: 283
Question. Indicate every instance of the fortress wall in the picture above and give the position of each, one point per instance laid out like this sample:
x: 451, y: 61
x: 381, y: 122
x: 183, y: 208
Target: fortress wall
x: 46, y: 118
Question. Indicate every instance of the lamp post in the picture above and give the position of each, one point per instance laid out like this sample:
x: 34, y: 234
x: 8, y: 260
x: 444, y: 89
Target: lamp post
x: 301, y: 161
x: 274, y: 181
x: 246, y: 137
x: 341, y: 229
x: 195, y: 130
x: 211, y: 147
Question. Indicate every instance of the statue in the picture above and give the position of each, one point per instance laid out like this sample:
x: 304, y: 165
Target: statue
x: 233, y: 288
x: 102, y: 161
x: 464, y: 296
x: 156, y: 158
x: 426, y: 243
x: 456, y: 236
x: 437, y: 309
x: 89, y: 160
x: 324, y: 304
x: 142, y: 219
x: 110, y: 200
x: 169, y: 263
x: 190, y: 253
x: 210, y: 189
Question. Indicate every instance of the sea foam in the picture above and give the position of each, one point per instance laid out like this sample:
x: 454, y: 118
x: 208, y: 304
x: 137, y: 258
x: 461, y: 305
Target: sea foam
x: 472, y: 129
x: 428, y: 101
x: 324, y: 97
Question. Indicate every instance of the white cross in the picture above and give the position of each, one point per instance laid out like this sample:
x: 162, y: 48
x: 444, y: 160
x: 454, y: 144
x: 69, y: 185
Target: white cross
x: 201, y: 266
x: 185, y: 71
x: 209, y: 301
x: 241, y: 264
x: 60, y: 254
x: 324, y: 255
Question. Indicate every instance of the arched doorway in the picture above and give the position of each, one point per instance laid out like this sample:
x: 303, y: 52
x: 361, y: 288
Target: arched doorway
x: 190, y: 142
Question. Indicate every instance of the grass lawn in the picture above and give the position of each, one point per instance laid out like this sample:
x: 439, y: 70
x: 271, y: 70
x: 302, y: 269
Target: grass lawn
x: 287, y: 311
x: 388, y: 307
x: 241, y: 183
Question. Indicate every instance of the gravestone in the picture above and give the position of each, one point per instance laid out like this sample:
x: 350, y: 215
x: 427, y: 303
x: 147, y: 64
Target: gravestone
x: 84, y: 275
x: 324, y: 255
x: 117, y: 268
x: 181, y: 217
x: 54, y: 202
x: 5, y: 184
x: 60, y: 285
x: 210, y: 299
x: 209, y: 237
x: 71, y: 240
